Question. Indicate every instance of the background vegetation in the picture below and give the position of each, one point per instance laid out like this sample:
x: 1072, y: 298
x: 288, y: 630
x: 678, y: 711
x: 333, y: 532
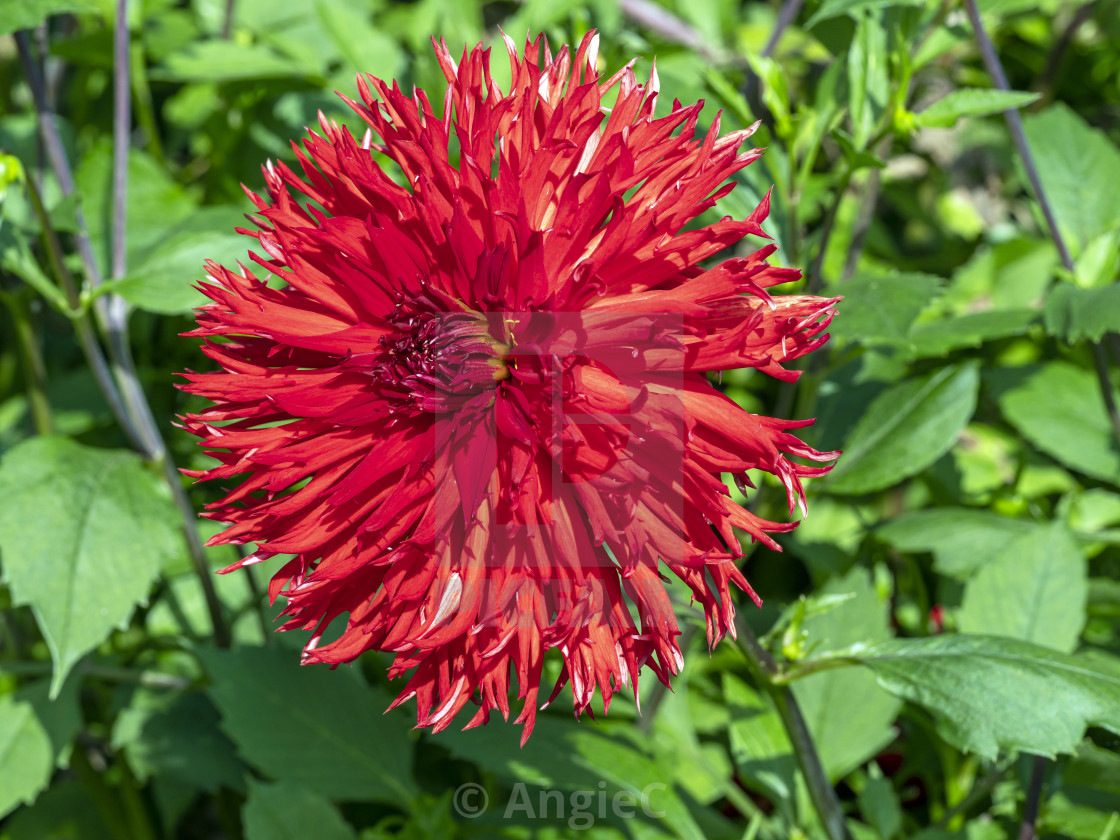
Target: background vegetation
x: 946, y: 620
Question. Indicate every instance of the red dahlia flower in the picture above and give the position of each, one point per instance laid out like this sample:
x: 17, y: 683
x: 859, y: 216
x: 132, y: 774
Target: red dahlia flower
x: 477, y: 411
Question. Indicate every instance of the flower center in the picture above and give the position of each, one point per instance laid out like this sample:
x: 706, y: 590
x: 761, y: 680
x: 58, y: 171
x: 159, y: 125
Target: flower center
x: 439, y: 360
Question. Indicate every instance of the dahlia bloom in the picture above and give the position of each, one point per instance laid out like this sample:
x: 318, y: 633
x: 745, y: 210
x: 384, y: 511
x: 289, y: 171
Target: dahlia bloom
x: 476, y: 411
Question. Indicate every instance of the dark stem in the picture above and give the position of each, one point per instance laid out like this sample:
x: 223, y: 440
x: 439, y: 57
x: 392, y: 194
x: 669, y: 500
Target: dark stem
x: 1100, y: 361
x: 1015, y: 125
x: 786, y: 16
x: 821, y: 791
x: 670, y: 27
x: 1034, y: 799
x: 122, y: 124
x: 227, y: 20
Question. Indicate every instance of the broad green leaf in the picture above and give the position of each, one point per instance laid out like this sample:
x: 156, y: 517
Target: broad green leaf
x: 176, y: 735
x: 288, y: 811
x: 165, y: 281
x: 961, y: 540
x: 34, y: 735
x: 156, y: 204
x: 759, y: 743
x: 1074, y: 161
x: 1058, y: 407
x: 906, y: 429
x: 868, y: 77
x: 880, y: 310
x: 989, y: 694
x: 852, y: 8
x: 310, y: 725
x: 1035, y: 589
x: 939, y: 338
x: 849, y: 715
x: 1075, y: 314
x: 82, y: 533
x: 366, y: 48
x: 1010, y: 275
x: 27, y: 14
x: 973, y: 102
x: 221, y: 61
x: 571, y: 756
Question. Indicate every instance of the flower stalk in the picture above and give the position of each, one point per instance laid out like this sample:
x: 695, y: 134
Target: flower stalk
x: 821, y: 791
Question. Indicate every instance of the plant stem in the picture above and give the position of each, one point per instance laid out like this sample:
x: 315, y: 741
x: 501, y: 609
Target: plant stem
x: 34, y: 371
x: 1015, y: 126
x: 1034, y: 798
x: 789, y: 11
x: 821, y: 791
x: 86, y: 337
x: 110, y: 308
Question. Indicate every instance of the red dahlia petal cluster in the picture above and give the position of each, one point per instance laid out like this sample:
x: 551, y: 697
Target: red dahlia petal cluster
x: 472, y: 402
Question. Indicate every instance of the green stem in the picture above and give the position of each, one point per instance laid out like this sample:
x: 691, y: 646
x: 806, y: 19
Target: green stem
x: 34, y: 371
x: 821, y: 791
x: 82, y: 324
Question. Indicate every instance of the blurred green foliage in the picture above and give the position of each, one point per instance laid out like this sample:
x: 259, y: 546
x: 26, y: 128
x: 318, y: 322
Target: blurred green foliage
x: 950, y: 608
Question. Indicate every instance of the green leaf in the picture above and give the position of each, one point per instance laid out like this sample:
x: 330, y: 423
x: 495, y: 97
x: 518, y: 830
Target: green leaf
x: 960, y: 539
x: 1035, y: 589
x: 1097, y: 264
x: 570, y: 756
x: 880, y: 310
x: 973, y: 102
x: 34, y: 735
x: 83, y: 533
x: 879, y: 805
x: 1075, y: 314
x: 1058, y: 407
x: 906, y: 429
x: 156, y: 204
x: 1074, y: 161
x: 221, y: 61
x: 848, y: 714
x: 932, y: 339
x: 868, y: 78
x: 988, y: 693
x: 852, y: 8
x: 27, y: 14
x: 176, y: 735
x: 310, y: 725
x: 288, y: 811
x: 165, y: 281
x: 759, y: 743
